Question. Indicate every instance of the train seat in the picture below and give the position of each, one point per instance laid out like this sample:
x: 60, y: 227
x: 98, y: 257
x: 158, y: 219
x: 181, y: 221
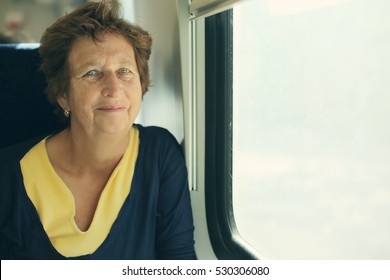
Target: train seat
x: 24, y: 110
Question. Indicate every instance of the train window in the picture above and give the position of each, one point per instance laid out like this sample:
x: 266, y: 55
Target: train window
x: 310, y: 133
x: 224, y: 237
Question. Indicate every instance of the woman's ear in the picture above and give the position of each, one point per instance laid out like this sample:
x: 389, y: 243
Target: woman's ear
x: 63, y: 102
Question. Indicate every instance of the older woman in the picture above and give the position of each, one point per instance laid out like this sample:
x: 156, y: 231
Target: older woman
x: 104, y: 188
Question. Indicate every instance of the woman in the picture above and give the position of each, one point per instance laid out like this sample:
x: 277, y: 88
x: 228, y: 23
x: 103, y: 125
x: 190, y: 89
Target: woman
x: 103, y: 188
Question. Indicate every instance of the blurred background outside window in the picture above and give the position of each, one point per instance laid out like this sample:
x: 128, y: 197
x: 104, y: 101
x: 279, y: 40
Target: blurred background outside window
x: 24, y: 21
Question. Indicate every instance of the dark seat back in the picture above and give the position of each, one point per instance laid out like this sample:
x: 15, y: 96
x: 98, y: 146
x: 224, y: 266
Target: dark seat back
x: 24, y: 109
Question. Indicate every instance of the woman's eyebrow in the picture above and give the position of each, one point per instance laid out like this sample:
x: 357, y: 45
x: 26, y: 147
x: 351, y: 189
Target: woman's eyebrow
x: 85, y: 65
x: 127, y: 61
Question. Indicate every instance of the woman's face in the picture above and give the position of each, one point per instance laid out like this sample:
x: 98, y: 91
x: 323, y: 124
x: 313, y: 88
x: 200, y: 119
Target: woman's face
x: 105, y: 90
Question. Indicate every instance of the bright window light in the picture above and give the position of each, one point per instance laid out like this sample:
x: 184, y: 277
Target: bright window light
x: 311, y: 134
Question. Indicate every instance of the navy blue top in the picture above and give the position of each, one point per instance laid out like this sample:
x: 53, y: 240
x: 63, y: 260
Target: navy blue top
x: 155, y: 221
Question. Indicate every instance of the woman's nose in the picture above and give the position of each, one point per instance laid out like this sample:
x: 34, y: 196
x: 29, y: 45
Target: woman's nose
x: 111, y: 85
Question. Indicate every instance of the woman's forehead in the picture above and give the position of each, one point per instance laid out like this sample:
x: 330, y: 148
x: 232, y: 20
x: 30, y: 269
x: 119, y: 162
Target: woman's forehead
x: 87, y: 51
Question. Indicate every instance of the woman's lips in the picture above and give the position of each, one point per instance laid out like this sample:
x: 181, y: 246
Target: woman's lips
x: 116, y: 108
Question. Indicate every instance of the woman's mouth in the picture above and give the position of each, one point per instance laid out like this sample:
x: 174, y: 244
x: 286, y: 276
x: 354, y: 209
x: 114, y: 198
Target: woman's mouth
x: 111, y: 109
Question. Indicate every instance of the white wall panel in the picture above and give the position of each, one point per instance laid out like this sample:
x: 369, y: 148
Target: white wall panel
x: 162, y: 105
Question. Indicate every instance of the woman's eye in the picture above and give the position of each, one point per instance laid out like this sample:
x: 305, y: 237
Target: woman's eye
x: 124, y: 71
x: 125, y: 74
x: 90, y: 73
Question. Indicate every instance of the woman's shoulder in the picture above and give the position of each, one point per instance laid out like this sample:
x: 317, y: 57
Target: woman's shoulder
x: 155, y: 133
x: 147, y: 131
x: 158, y: 140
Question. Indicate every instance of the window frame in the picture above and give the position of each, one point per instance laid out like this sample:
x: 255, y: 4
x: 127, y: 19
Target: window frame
x: 224, y: 236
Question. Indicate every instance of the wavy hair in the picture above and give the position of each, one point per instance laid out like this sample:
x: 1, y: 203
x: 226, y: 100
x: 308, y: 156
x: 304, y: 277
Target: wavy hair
x: 89, y: 20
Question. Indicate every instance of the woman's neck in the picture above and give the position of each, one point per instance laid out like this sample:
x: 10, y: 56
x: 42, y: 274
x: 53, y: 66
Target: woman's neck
x: 90, y: 152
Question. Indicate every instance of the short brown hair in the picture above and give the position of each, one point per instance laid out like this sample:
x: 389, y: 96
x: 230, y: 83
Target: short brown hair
x: 89, y: 20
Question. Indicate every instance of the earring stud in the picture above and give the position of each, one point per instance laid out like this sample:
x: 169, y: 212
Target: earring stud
x: 66, y: 113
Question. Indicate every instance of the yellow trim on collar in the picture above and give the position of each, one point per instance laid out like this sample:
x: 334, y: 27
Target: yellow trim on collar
x: 55, y: 205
